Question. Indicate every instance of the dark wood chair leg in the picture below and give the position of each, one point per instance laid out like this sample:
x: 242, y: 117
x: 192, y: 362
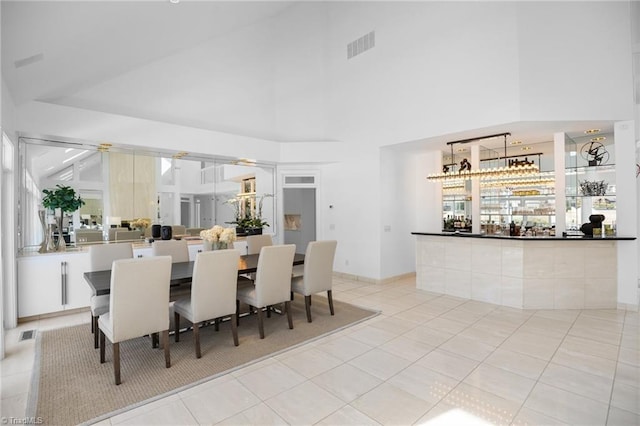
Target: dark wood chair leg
x: 196, y: 339
x: 217, y: 324
x: 94, y: 328
x: 307, y: 305
x: 237, y: 312
x: 330, y: 299
x: 176, y: 320
x: 234, y: 329
x: 93, y: 322
x: 287, y: 307
x: 165, y: 343
x: 102, y: 344
x: 116, y: 362
x: 291, y: 296
x: 260, y: 323
x: 268, y: 311
x: 154, y: 340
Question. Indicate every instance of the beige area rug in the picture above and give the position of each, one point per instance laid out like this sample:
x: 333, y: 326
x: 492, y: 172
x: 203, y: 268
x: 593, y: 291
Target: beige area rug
x: 72, y: 387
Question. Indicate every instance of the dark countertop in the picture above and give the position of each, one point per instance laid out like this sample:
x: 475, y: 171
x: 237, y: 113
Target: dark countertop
x: 505, y: 237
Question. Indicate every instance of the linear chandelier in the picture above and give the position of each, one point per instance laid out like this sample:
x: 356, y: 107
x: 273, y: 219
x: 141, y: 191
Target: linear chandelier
x: 511, y: 169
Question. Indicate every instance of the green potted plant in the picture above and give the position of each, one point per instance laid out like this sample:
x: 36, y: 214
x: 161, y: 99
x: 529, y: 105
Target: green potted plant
x: 61, y: 200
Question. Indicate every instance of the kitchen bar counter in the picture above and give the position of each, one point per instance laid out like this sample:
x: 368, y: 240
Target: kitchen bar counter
x: 520, y: 272
x: 537, y: 238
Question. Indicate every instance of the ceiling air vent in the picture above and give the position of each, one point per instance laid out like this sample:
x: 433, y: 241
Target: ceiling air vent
x: 29, y: 60
x: 364, y: 43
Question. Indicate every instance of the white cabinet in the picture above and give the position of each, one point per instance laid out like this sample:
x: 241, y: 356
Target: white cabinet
x: 142, y: 252
x: 194, y: 249
x: 52, y: 283
x: 241, y: 246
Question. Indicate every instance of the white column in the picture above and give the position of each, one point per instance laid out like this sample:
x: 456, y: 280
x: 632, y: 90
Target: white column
x: 559, y: 166
x: 626, y: 213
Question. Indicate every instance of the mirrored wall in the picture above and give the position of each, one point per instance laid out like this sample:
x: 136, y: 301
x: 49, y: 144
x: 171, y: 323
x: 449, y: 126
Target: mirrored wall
x: 127, y: 187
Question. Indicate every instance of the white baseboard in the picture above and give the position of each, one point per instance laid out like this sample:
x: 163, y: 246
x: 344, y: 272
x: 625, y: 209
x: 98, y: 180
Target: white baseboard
x: 373, y: 280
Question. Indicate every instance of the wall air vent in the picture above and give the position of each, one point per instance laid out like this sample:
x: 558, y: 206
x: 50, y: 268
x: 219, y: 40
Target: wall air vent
x: 361, y: 45
x: 27, y: 335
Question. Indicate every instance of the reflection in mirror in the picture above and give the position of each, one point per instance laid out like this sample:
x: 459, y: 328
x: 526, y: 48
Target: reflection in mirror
x: 123, y: 187
x: 91, y: 211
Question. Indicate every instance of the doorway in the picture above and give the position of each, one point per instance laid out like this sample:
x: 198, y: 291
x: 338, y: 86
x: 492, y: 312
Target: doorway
x: 185, y: 212
x: 299, y: 217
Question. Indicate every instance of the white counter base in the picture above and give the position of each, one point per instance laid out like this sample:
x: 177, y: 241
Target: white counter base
x: 519, y: 273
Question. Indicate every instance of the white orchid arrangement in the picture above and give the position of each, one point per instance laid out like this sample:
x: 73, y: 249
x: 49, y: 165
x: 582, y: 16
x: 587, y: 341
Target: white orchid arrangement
x: 219, y: 234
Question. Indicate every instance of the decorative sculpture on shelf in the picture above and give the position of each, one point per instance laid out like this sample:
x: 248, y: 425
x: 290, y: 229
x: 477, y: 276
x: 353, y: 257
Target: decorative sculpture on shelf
x: 465, y: 165
x: 595, y: 222
x: 593, y: 188
x: 595, y: 153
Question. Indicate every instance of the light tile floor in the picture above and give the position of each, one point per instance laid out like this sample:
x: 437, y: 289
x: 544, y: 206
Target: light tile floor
x: 428, y: 359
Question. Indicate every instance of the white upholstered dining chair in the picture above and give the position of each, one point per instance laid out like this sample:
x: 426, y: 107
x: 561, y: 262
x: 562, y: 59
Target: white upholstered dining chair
x: 139, y: 305
x: 101, y: 256
x: 177, y: 249
x: 272, y: 283
x: 254, y: 245
x: 213, y: 293
x: 179, y: 252
x: 256, y: 242
x: 318, y: 273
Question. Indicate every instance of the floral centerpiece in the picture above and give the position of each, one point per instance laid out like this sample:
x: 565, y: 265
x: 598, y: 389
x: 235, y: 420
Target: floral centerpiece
x: 218, y: 236
x: 141, y: 223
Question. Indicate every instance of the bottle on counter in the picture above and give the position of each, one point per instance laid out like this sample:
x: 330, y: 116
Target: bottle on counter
x: 512, y: 229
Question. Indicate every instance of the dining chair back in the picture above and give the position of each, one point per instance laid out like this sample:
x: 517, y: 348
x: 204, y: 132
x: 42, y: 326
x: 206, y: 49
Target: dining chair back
x: 128, y: 235
x: 178, y: 230
x: 112, y: 232
x: 213, y: 293
x: 101, y: 257
x: 318, y: 273
x: 256, y: 242
x: 139, y: 305
x: 272, y: 283
x: 177, y: 249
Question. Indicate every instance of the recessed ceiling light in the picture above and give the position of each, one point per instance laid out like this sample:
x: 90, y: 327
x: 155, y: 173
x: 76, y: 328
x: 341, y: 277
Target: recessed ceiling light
x: 591, y: 131
x: 174, y: 1
x: 515, y: 142
x: 526, y: 148
x: 461, y: 149
x: 598, y: 138
x: 104, y: 147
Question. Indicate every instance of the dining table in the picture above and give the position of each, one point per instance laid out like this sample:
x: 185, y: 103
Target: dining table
x: 181, y: 273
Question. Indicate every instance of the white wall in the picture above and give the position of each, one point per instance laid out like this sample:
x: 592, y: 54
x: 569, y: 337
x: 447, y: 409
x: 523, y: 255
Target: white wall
x: 574, y: 60
x: 8, y: 301
x: 351, y: 187
x: 437, y: 68
x: 398, y: 206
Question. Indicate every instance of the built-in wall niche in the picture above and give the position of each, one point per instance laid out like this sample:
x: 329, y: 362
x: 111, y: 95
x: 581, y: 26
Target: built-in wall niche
x: 120, y: 184
x: 292, y: 222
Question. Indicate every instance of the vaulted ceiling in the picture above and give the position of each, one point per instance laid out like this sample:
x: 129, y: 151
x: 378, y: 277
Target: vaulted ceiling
x: 217, y: 65
x: 203, y: 64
